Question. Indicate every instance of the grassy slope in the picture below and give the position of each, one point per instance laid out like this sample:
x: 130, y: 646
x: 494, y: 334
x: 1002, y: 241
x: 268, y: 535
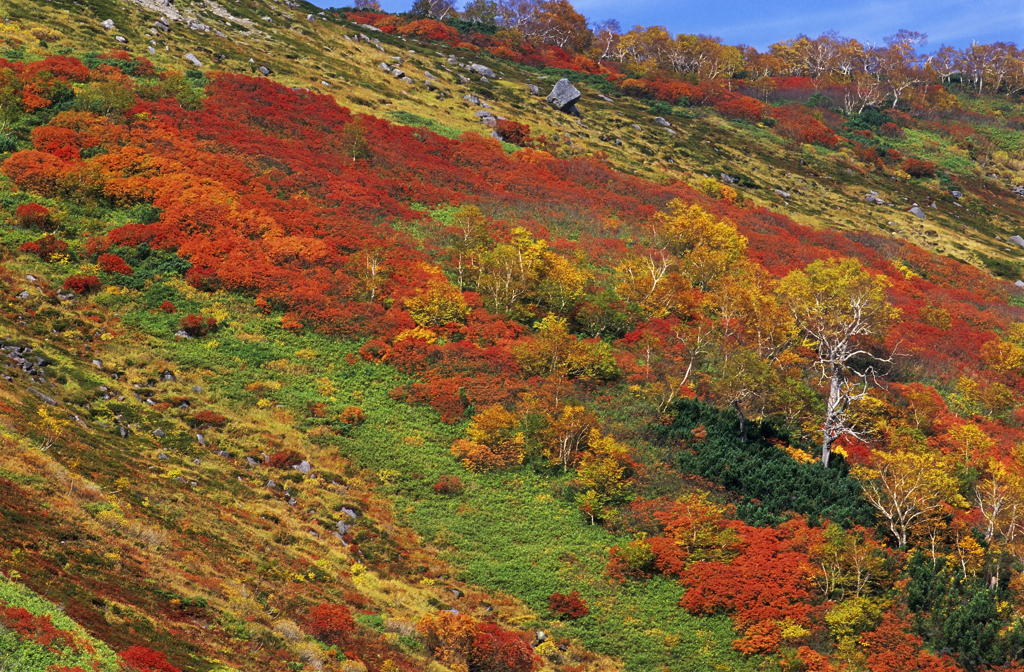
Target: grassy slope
x: 827, y: 187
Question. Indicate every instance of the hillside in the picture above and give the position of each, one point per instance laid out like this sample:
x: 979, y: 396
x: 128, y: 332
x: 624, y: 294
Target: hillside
x: 306, y: 370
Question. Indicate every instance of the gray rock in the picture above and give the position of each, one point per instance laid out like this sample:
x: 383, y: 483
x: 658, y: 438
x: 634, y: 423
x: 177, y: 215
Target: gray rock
x: 428, y: 75
x: 463, y: 80
x: 780, y: 192
x: 168, y: 377
x: 871, y: 198
x: 292, y: 501
x: 264, y: 70
x: 408, y: 80
x: 1017, y: 240
x: 618, y: 142
x: 48, y: 400
x: 200, y: 439
x: 190, y: 57
x: 343, y: 542
x: 957, y: 194
x: 271, y: 484
x: 179, y: 479
x: 219, y: 34
x: 637, y: 127
x: 251, y: 462
x: 123, y: 431
x: 728, y: 179
x: 1019, y: 283
x: 266, y: 458
x: 107, y: 25
x: 605, y: 98
x: 162, y: 456
x: 197, y: 462
x: 182, y: 335
x: 372, y: 29
x: 541, y: 636
x: 267, y: 19
x: 159, y: 433
x: 485, y: 80
x: 348, y: 512
x: 397, y: 73
x: 563, y: 95
x: 385, y: 67
x: 303, y: 466
x: 471, y: 99
x: 121, y: 39
x: 31, y: 278
x: 310, y: 17
x: 660, y: 121
x: 918, y: 212
x: 99, y: 365
x: 396, y: 59
x: 431, y: 84
x: 197, y: 389
x: 481, y: 70
x: 23, y: 294
x: 342, y: 527
x: 225, y: 454
x: 532, y: 89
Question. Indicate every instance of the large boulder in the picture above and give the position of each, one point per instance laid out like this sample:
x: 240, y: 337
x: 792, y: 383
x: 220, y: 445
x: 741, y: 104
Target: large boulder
x: 918, y: 212
x: 564, y: 95
x: 481, y: 70
x: 1017, y: 240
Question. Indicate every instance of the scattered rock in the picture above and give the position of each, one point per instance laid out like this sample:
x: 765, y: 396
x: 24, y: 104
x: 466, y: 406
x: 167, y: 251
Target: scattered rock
x: 121, y: 39
x: 267, y: 19
x: 564, y: 95
x: 168, y: 377
x: 292, y: 501
x: 408, y: 80
x: 183, y: 335
x: 471, y: 99
x: 159, y: 433
x: 251, y: 462
x: 871, y: 198
x: 728, y: 179
x: 48, y: 400
x: 99, y: 365
x: 23, y: 294
x: 225, y: 454
x: 618, y: 142
x: 1019, y: 283
x: 303, y: 467
x: 463, y: 80
x: 660, y: 121
x: 780, y: 192
x: 197, y: 389
x: 532, y: 89
x: 310, y: 17
x: 200, y: 439
x: 348, y: 512
x: 637, y: 127
x: 264, y: 70
x: 1017, y: 240
x: 31, y: 278
x: 190, y: 57
x: 162, y: 456
x: 482, y: 70
x: 385, y: 67
x: 918, y: 212
x: 397, y: 73
x: 957, y: 194
x: 107, y: 25
x: 271, y: 484
x: 179, y: 479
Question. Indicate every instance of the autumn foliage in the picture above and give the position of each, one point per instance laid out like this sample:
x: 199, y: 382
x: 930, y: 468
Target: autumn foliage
x: 142, y: 659
x: 82, y: 284
x: 330, y: 623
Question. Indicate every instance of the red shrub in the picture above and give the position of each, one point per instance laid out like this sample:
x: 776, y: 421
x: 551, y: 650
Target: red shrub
x: 168, y: 307
x: 429, y: 29
x: 568, y: 606
x: 890, y: 130
x: 799, y: 124
x: 330, y: 623
x: 352, y: 416
x: 198, y: 326
x: 111, y: 263
x: 284, y: 459
x: 917, y: 168
x: 513, y: 132
x: 32, y: 215
x: 448, y: 485
x: 141, y: 659
x: 737, y: 106
x: 208, y: 419
x: 45, y: 248
x: 82, y: 284
x: 497, y: 650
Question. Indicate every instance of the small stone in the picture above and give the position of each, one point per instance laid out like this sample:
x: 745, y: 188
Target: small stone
x: 1017, y: 240
x: 197, y: 389
x: 471, y: 99
x: 99, y: 365
x: 348, y: 512
x: 264, y: 70
x: 463, y: 80
x: 182, y: 335
x: 121, y: 39
x: 408, y: 80
x: 179, y: 479
x: 292, y: 501
x: 398, y: 74
x: 303, y: 467
x: 158, y: 433
x: 780, y: 192
x: 918, y: 212
x: 251, y: 462
x: 23, y: 294
x: 200, y: 439
x: 162, y: 456
x: 31, y: 278
x: 108, y: 24
x: 197, y: 462
x: 660, y: 121
x: 225, y: 454
x: 48, y: 400
x: 190, y: 57
x: 271, y: 484
x: 385, y: 67
x: 532, y: 89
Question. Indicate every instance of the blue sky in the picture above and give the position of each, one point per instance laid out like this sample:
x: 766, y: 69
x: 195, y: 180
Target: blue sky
x: 760, y: 23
